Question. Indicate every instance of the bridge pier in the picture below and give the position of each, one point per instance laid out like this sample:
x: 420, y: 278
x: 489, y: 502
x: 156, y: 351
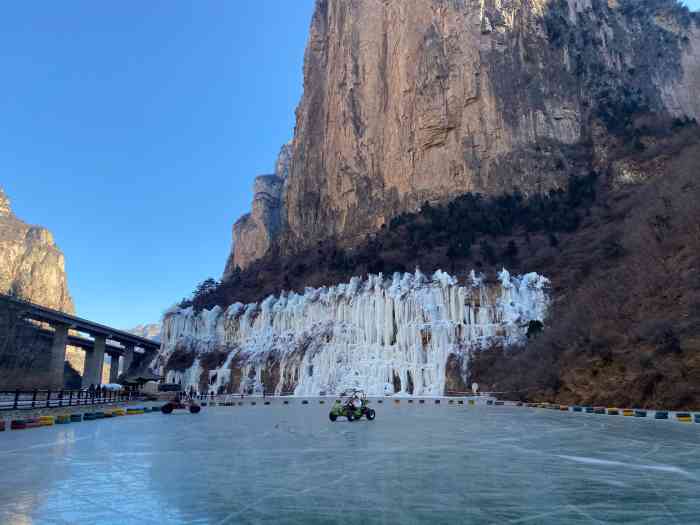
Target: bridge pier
x: 58, y: 356
x: 128, y: 358
x: 94, y: 361
x: 114, y: 368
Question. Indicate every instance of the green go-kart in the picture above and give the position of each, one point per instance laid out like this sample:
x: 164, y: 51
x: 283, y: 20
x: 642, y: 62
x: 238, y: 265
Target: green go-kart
x: 352, y: 406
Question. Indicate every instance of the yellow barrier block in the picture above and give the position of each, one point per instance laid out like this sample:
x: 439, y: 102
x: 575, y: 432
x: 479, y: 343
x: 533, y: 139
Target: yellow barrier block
x: 119, y: 412
x: 46, y: 421
x: 627, y: 412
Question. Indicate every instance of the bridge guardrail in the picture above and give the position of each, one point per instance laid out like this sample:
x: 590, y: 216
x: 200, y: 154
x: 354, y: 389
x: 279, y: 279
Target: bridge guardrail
x: 35, y: 399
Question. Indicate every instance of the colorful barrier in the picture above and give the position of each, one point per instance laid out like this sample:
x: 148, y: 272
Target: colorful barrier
x: 661, y: 415
x: 33, y: 423
x: 599, y: 410
x: 564, y: 408
x: 18, y: 424
x: 577, y: 409
x: 697, y: 418
x: 63, y: 419
x: 588, y: 410
x: 47, y: 421
x: 613, y: 412
x: 2, y: 425
x: 684, y: 417
x: 76, y: 418
x: 640, y: 413
x: 628, y: 412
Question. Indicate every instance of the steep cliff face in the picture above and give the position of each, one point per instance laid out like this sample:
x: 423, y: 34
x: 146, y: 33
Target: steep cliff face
x: 149, y: 331
x: 412, y: 101
x: 254, y: 233
x: 31, y: 265
x: 410, y: 335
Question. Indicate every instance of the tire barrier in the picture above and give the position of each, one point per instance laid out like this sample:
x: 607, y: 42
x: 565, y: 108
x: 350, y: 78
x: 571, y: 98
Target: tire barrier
x: 267, y: 403
x: 76, y: 418
x: 489, y: 402
x: 18, y: 424
x: 285, y: 402
x: 460, y: 402
x: 437, y: 401
x: 380, y: 401
x: 613, y: 412
x: 47, y: 421
x: 684, y: 417
x: 661, y: 415
x: 599, y: 410
x: 576, y: 409
x: 628, y: 412
x: 588, y: 410
x: 89, y: 416
x: 640, y: 413
x: 304, y: 402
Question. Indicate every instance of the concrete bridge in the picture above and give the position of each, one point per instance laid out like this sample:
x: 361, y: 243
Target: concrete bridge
x: 102, y: 342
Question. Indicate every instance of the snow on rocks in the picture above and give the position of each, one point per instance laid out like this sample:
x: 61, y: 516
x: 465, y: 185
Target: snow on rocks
x: 382, y: 335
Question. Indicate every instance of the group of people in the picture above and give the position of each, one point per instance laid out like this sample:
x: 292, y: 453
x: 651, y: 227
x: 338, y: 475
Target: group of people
x: 99, y: 391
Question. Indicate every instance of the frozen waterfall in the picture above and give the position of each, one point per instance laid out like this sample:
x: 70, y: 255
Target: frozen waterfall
x: 386, y: 336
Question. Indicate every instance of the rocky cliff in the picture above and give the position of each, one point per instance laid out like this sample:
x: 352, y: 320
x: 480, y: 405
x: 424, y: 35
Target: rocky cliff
x: 31, y: 265
x: 149, y: 331
x: 412, y: 101
x: 409, y: 335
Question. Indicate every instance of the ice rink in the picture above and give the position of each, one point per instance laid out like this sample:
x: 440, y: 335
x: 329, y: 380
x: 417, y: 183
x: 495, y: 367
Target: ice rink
x: 414, y: 464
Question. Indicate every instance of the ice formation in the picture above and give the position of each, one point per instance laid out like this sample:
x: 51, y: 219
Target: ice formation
x: 387, y: 336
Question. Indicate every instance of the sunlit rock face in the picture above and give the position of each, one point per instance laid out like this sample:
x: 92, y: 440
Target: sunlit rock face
x: 254, y: 233
x: 408, y: 335
x: 31, y: 265
x: 408, y: 101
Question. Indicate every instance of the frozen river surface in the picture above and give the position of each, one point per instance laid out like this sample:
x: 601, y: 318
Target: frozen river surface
x: 413, y: 464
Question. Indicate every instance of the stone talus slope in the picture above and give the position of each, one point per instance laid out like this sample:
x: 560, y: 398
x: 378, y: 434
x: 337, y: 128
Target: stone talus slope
x: 412, y: 101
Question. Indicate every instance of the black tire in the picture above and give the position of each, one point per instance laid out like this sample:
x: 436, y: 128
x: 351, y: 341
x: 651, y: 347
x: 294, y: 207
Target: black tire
x: 332, y: 417
x: 167, y: 408
x: 351, y: 416
x: 371, y: 414
x: 194, y: 409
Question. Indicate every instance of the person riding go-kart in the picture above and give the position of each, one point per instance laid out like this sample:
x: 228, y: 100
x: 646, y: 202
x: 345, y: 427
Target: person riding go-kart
x: 353, y: 406
x: 182, y: 401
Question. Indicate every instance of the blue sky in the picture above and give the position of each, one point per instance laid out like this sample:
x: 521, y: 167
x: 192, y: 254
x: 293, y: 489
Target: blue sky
x: 133, y: 131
